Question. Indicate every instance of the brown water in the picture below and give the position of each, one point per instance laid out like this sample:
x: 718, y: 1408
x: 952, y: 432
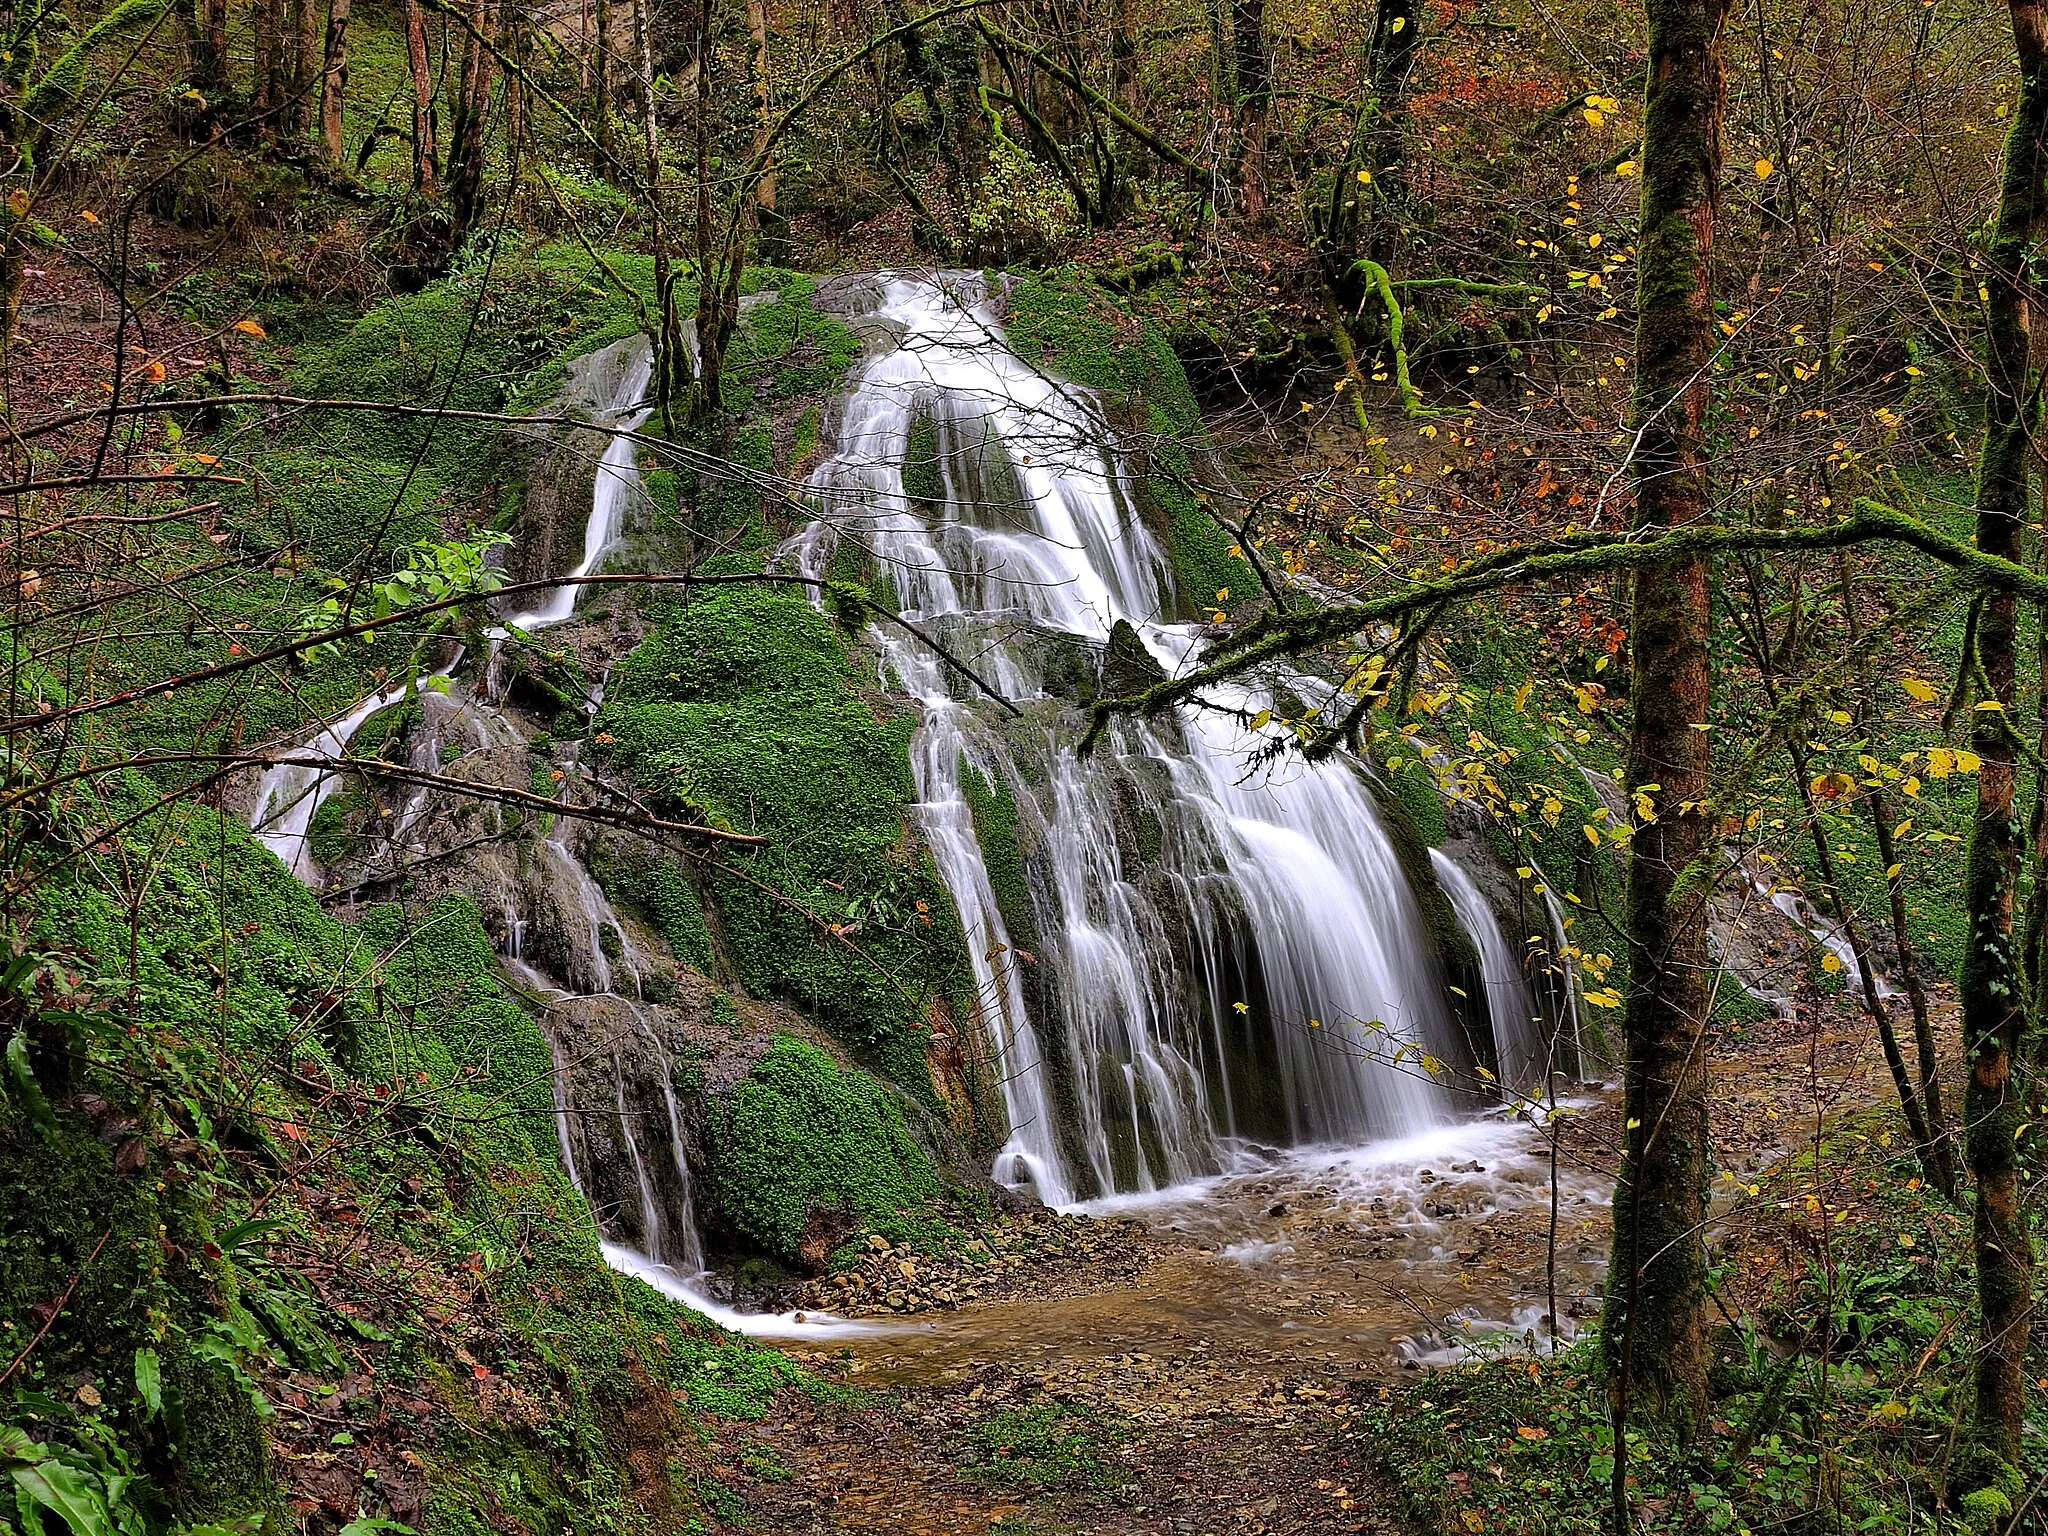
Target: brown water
x: 1419, y: 1249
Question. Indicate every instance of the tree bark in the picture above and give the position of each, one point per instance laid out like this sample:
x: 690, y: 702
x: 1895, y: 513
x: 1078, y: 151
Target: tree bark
x: 1989, y: 988
x: 265, y: 43
x: 764, y: 117
x: 466, y: 133
x: 603, y: 85
x: 214, y: 57
x: 1653, y: 1329
x: 1395, y: 31
x: 422, y: 98
x: 1254, y: 102
x: 305, y: 65
x: 334, y: 82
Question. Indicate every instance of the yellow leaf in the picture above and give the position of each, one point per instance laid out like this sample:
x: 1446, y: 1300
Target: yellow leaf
x: 1992, y: 704
x: 1262, y: 719
x: 1764, y: 168
x: 1923, y: 693
x: 1593, y: 116
x: 1831, y: 962
x: 1626, y: 168
x: 88, y: 215
x: 1398, y: 23
x: 1968, y: 762
x: 1893, y: 872
x: 1474, y: 1521
x: 249, y: 328
x: 1365, y: 178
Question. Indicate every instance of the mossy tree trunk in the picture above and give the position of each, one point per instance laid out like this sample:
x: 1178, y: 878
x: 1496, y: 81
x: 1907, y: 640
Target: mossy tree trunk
x: 1653, y: 1330
x: 305, y: 64
x: 1989, y: 987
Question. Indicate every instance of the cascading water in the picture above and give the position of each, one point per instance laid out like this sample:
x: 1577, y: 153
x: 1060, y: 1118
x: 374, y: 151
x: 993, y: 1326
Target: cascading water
x: 1518, y: 1044
x: 1256, y: 934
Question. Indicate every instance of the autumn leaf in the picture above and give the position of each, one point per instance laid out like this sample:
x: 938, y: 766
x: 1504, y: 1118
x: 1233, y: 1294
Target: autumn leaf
x: 1920, y: 692
x: 1764, y: 168
x: 249, y: 328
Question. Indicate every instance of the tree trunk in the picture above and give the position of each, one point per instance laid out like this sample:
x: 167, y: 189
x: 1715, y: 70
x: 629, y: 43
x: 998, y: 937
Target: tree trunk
x: 1395, y: 31
x: 334, y: 82
x: 266, y: 44
x: 764, y: 118
x: 1653, y: 1331
x: 422, y: 98
x: 1254, y: 101
x: 305, y: 65
x: 466, y: 133
x: 1989, y: 988
x: 214, y: 57
x: 603, y: 85
x: 713, y: 278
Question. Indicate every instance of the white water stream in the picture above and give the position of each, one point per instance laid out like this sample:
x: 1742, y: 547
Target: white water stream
x: 1517, y: 1030
x: 1273, y: 920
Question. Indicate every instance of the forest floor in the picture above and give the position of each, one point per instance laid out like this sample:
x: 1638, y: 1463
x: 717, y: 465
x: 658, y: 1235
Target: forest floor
x: 1211, y: 1389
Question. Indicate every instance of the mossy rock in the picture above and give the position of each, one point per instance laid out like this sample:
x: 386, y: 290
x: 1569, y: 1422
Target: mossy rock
x: 807, y: 1152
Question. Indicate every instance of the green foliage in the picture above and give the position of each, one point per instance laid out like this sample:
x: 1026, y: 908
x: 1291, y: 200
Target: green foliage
x: 226, y: 1028
x: 1043, y: 1446
x: 800, y: 1137
x: 1857, y: 1439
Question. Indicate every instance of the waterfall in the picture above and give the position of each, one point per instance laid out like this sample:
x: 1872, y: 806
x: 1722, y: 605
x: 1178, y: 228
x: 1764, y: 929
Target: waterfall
x: 1270, y: 934
x: 1518, y: 1045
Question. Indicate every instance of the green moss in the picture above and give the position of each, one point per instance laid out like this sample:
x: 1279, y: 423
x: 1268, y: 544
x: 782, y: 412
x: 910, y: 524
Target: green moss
x: 995, y: 828
x: 800, y: 1138
x: 1421, y: 801
x: 747, y: 702
x: 1041, y: 1446
x: 923, y: 482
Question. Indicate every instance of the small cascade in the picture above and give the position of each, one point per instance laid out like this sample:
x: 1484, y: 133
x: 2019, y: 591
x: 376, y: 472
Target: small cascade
x: 290, y: 793
x: 615, y: 491
x: 630, y: 1159
x: 1520, y: 1056
x: 1565, y: 979
x: 1227, y: 949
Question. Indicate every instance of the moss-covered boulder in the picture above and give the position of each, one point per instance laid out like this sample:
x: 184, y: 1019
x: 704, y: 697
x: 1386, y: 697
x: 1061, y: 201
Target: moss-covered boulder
x: 808, y: 1152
